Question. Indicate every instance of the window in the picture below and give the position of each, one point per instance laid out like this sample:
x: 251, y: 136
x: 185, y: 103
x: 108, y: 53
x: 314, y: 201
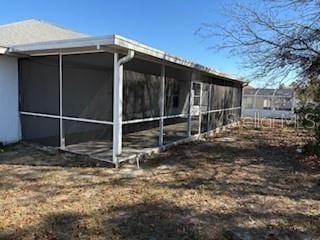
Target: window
x: 248, y: 102
x: 267, y: 104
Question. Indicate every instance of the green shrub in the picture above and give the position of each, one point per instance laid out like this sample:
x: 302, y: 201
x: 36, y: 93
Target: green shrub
x: 309, y: 117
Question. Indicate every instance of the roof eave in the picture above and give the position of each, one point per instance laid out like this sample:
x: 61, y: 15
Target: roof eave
x: 3, y: 50
x: 113, y: 40
x: 62, y: 44
x: 127, y: 43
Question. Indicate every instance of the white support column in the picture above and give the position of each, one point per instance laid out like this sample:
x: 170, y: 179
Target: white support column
x: 117, y: 110
x: 62, y: 139
x: 200, y: 109
x: 272, y: 100
x: 117, y: 102
x: 161, y: 103
x: 190, y: 107
x: 209, y: 108
x: 241, y: 102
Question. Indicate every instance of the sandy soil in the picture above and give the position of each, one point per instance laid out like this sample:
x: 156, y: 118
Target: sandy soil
x: 247, y: 183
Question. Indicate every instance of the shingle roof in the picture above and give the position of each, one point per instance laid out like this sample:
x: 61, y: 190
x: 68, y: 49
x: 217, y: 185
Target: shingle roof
x: 33, y: 30
x: 284, y: 92
x: 265, y: 92
x: 249, y: 91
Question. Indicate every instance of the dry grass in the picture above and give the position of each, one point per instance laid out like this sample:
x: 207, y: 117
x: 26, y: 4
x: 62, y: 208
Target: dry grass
x: 248, y: 183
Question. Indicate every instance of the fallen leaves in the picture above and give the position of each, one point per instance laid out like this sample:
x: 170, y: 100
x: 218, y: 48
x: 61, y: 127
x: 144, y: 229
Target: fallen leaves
x: 245, y: 183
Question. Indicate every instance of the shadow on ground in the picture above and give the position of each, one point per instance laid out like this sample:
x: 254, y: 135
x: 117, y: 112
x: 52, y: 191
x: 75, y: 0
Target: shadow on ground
x: 38, y: 155
x: 158, y: 220
x: 244, y: 184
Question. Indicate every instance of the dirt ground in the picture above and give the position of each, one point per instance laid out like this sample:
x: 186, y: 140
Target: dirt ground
x: 247, y: 183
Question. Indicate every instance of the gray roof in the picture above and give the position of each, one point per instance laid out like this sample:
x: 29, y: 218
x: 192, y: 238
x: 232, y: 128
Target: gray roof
x: 265, y: 92
x: 249, y: 91
x: 283, y: 92
x: 33, y: 30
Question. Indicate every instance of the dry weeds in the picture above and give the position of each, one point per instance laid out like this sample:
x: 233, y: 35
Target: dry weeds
x: 248, y: 183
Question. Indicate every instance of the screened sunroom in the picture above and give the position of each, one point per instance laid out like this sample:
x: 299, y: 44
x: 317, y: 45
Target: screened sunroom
x: 268, y: 103
x: 114, y: 99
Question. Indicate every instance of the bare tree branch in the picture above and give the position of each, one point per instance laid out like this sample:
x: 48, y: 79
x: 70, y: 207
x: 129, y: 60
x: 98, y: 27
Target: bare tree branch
x: 275, y: 43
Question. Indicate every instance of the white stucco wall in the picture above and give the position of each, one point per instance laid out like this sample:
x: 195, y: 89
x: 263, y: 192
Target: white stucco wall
x: 9, y: 100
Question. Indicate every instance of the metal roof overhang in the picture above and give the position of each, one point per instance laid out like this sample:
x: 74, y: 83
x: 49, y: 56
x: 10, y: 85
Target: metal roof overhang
x: 110, y: 43
x: 3, y: 50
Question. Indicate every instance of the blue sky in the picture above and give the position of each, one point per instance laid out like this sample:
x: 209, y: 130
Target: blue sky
x: 168, y: 25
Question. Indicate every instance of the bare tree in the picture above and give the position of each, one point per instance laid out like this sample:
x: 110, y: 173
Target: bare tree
x: 278, y: 40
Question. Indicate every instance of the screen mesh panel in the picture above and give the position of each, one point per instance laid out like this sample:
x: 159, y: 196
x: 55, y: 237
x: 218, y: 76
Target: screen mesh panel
x: 228, y: 97
x: 177, y: 88
x: 77, y: 132
x: 40, y: 129
x: 217, y: 97
x: 175, y: 129
x: 90, y: 139
x: 88, y: 86
x: 141, y: 135
x: 87, y: 93
x: 39, y: 84
x: 195, y: 125
x: 220, y: 118
x: 141, y: 100
x: 230, y: 116
x: 205, y: 106
x: 212, y: 121
x: 39, y: 93
x: 204, y: 123
x: 141, y: 95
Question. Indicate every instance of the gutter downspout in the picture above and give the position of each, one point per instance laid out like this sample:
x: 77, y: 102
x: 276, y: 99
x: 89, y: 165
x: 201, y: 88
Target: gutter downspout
x: 126, y: 58
x: 117, y: 103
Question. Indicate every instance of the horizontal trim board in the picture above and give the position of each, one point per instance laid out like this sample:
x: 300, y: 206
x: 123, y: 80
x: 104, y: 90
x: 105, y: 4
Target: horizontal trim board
x: 141, y: 120
x: 220, y: 110
x: 66, y: 118
x: 153, y: 119
x: 268, y: 96
x: 70, y: 53
x: 268, y: 110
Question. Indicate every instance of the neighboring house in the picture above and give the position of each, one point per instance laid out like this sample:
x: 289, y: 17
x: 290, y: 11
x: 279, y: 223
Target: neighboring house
x: 108, y: 97
x: 268, y: 103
